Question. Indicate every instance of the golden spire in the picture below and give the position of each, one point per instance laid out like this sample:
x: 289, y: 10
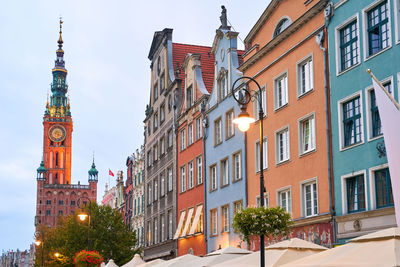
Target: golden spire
x: 60, y: 41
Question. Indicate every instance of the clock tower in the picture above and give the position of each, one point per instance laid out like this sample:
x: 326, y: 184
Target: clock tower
x: 56, y: 196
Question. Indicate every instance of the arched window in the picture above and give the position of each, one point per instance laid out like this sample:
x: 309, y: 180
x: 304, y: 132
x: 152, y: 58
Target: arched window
x: 56, y: 159
x: 282, y: 25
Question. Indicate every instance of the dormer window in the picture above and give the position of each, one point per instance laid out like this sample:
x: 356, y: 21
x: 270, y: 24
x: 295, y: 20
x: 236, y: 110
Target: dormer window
x: 189, y: 97
x: 222, y: 86
x: 282, y: 25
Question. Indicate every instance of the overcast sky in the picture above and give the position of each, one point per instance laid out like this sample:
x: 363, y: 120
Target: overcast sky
x: 106, y: 44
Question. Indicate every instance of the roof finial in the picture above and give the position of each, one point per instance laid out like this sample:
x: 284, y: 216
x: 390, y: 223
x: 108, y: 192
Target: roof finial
x: 60, y: 41
x: 93, y: 156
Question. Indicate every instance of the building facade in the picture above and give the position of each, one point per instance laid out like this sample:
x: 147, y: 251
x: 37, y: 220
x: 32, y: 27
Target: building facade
x: 362, y: 35
x: 225, y: 168
x: 56, y: 196
x: 285, y: 55
x: 198, y: 67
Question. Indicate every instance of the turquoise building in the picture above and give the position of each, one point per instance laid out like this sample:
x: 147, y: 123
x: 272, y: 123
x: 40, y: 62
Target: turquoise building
x: 362, y: 34
x: 224, y: 146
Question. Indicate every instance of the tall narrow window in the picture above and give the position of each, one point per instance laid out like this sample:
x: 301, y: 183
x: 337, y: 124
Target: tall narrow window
x: 170, y: 224
x: 198, y: 124
x: 162, y: 184
x: 355, y: 193
x: 155, y: 90
x: 155, y: 231
x: 265, y: 155
x: 310, y: 199
x: 183, y: 139
x: 305, y: 76
x: 383, y: 188
x: 281, y: 91
x: 190, y: 175
x: 217, y: 131
x: 229, y: 127
x: 378, y: 28
x: 199, y: 170
x: 170, y: 138
x: 237, y: 166
x: 222, y: 86
x: 285, y: 200
x: 225, y: 218
x: 190, y: 134
x: 149, y: 194
x: 256, y: 104
x: 214, y: 222
x: 307, y: 134
x: 162, y: 228
x: 349, y: 46
x: 183, y: 179
x: 224, y: 173
x: 189, y: 97
x: 213, y: 178
x: 56, y: 159
x: 169, y: 179
x: 155, y: 190
x: 282, y: 145
x: 352, y: 121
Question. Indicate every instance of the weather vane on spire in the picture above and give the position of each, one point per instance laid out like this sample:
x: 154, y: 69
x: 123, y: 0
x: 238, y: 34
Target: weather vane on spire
x: 60, y: 41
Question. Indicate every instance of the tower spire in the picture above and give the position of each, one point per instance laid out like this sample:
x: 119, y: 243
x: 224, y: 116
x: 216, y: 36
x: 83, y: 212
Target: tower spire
x: 60, y: 40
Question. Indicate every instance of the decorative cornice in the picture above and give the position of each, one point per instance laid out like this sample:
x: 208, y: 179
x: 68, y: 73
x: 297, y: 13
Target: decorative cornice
x: 313, y: 220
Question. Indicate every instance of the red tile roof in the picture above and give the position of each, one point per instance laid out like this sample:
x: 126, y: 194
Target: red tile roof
x: 179, y: 51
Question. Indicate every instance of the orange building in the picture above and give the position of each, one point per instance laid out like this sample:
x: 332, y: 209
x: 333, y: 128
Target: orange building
x: 198, y: 70
x: 285, y: 53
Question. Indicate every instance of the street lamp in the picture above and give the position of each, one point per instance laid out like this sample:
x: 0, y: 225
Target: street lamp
x: 38, y: 243
x: 82, y: 216
x: 243, y: 97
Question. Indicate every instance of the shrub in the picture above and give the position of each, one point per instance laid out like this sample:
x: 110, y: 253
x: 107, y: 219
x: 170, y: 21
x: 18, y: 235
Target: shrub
x: 87, y: 258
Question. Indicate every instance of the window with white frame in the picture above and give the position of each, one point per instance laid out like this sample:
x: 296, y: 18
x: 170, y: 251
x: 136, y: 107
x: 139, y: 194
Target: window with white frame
x: 305, y: 72
x: 256, y: 104
x: 310, y: 199
x: 155, y: 230
x: 229, y: 127
x: 162, y: 184
x: 189, y: 97
x: 162, y: 145
x: 355, y: 193
x: 224, y: 172
x: 376, y: 126
x: 170, y: 138
x: 225, y: 218
x: 237, y: 206
x: 190, y: 134
x: 170, y: 224
x: 155, y: 121
x: 285, y: 200
x: 282, y: 145
x: 213, y: 178
x: 378, y: 28
x: 214, y: 222
x: 266, y: 200
x: 190, y: 175
x: 217, y: 131
x: 199, y: 170
x: 222, y: 86
x: 281, y: 91
x: 162, y: 113
x: 349, y: 49
x: 183, y: 179
x: 237, y: 166
x: 149, y: 226
x: 149, y: 158
x: 150, y: 194
x: 307, y: 134
x: 155, y: 152
x: 281, y: 26
x: 155, y: 190
x: 198, y: 126
x: 182, y: 134
x: 169, y: 170
x: 155, y: 90
x: 352, y: 127
x: 162, y: 219
x: 265, y: 155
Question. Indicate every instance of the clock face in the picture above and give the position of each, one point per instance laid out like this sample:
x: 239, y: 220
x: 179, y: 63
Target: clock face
x: 57, y: 133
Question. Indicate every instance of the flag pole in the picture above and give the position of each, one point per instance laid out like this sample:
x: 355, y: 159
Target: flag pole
x: 384, y: 89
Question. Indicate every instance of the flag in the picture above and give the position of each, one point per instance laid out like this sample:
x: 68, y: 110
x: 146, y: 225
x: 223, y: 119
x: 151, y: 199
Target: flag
x: 390, y: 119
x: 110, y: 172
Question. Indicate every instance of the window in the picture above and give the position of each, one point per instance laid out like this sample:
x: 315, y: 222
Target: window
x: 256, y: 104
x: 149, y: 194
x: 143, y: 203
x: 349, y: 50
x: 155, y: 190
x: 225, y: 218
x: 149, y: 159
x: 198, y: 126
x: 237, y: 206
x: 199, y: 171
x: 169, y: 179
x: 282, y: 145
x: 307, y: 134
x: 214, y: 222
x: 170, y: 224
x: 189, y: 97
x: 162, y: 184
x: 155, y: 92
x: 155, y: 121
x: 310, y: 199
x: 281, y: 91
x: 266, y: 200
x: 213, y: 178
x: 190, y: 134
x: 217, y: 131
x: 48, y: 212
x: 305, y: 76
x: 162, y: 146
x: 224, y: 172
x: 155, y: 152
x: 155, y: 231
x: 383, y: 188
x: 170, y: 138
x: 265, y: 155
x: 162, y: 219
x: 162, y: 83
x: 352, y: 121
x: 222, y: 86
x: 285, y: 200
x: 378, y: 28
x: 199, y: 227
x: 183, y: 139
x: 183, y: 179
x: 376, y: 127
x: 48, y: 202
x: 169, y: 103
x: 72, y: 202
x: 190, y: 175
x: 162, y: 113
x: 61, y: 202
x: 237, y: 166
x: 229, y: 127
x: 60, y: 213
x: 149, y: 233
x: 355, y: 191
x: 282, y: 25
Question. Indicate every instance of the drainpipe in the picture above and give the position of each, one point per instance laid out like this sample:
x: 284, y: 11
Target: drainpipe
x: 320, y: 38
x: 205, y: 127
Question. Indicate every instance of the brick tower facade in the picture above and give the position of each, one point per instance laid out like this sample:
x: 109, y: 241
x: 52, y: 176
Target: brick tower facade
x: 56, y: 196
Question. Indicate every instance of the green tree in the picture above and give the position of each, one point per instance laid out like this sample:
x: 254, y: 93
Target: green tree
x: 108, y: 235
x: 274, y: 221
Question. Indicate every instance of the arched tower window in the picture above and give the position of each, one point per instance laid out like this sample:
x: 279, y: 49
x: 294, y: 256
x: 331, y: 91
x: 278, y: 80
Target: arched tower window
x: 56, y: 159
x: 282, y: 25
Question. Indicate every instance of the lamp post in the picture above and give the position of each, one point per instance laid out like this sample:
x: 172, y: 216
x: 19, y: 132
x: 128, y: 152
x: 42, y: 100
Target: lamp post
x: 243, y: 97
x: 82, y: 216
x: 40, y: 243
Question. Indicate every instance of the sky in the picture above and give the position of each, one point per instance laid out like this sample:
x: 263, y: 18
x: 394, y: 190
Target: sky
x: 106, y: 45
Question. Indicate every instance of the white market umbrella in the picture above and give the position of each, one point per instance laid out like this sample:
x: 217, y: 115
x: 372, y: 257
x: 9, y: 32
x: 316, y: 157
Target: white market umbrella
x: 102, y: 264
x: 229, y: 250
x: 220, y: 255
x: 378, y: 249
x: 151, y: 263
x: 111, y: 263
x: 277, y: 254
x: 134, y: 262
x: 181, y: 261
